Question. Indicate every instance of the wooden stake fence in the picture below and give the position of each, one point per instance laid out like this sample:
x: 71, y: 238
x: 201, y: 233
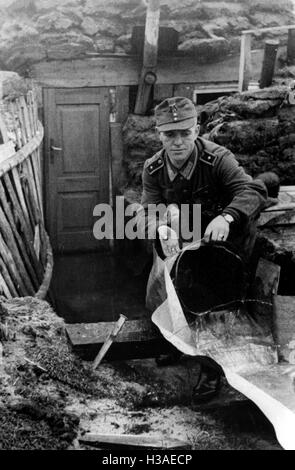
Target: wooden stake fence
x: 25, y: 252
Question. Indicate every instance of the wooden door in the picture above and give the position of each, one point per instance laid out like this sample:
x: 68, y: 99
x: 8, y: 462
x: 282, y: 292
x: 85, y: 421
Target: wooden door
x: 76, y: 164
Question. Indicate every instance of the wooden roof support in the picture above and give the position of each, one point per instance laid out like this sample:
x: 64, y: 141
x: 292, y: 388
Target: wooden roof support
x: 150, y: 57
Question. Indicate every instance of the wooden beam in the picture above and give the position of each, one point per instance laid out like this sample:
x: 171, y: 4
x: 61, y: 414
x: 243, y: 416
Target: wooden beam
x: 272, y: 218
x: 139, y: 338
x: 96, y: 333
x: 281, y: 206
x: 245, y: 71
x: 268, y: 29
x: 133, y: 441
x: 124, y: 71
x: 150, y: 56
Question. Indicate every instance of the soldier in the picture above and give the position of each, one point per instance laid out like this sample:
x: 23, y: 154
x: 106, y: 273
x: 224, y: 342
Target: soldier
x: 192, y: 170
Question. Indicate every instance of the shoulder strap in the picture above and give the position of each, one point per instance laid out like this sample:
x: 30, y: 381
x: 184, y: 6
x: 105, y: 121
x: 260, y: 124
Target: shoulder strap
x: 155, y: 163
x: 205, y: 155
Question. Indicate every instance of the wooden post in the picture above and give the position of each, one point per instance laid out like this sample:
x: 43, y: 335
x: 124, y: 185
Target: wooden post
x: 269, y: 60
x: 291, y: 47
x: 150, y: 56
x: 245, y: 62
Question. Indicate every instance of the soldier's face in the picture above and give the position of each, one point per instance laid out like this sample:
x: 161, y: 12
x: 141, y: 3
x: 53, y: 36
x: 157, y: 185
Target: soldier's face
x: 179, y: 144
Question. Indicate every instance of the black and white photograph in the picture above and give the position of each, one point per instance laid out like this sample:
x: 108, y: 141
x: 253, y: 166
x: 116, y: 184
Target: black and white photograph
x: 147, y: 228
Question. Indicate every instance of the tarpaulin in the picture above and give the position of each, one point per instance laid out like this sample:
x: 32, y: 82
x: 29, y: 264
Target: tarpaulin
x: 239, y: 342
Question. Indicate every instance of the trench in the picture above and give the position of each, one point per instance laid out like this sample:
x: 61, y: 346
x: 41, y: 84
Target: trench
x: 97, y: 287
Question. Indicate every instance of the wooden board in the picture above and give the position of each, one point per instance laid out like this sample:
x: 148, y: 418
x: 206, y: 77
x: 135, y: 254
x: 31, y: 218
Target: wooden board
x: 282, y: 213
x: 138, y: 338
x: 125, y: 70
x: 286, y: 217
x: 133, y: 441
x: 268, y: 29
x: 96, y: 333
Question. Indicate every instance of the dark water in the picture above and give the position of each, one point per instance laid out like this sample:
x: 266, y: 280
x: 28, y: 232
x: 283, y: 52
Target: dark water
x: 93, y: 287
x: 209, y: 277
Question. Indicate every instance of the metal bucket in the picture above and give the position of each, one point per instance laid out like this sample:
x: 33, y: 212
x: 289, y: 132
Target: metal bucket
x: 212, y: 277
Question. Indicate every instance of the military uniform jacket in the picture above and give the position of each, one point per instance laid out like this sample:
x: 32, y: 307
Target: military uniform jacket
x: 216, y: 181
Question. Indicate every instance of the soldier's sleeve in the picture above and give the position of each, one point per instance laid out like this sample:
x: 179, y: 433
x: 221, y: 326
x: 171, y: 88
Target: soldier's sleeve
x: 248, y: 197
x: 150, y: 217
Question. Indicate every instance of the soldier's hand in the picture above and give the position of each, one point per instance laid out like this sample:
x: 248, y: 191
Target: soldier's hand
x: 169, y: 240
x: 217, y: 230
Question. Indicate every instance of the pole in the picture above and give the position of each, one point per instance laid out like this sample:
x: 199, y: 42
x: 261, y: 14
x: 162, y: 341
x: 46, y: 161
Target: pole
x: 108, y: 342
x: 291, y: 47
x: 269, y: 60
x: 150, y: 56
x: 245, y: 62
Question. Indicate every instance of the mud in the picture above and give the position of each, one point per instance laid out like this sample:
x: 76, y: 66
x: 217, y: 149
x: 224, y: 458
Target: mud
x: 49, y: 397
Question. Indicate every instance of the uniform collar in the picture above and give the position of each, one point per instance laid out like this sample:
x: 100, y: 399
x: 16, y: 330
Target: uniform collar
x: 186, y: 170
